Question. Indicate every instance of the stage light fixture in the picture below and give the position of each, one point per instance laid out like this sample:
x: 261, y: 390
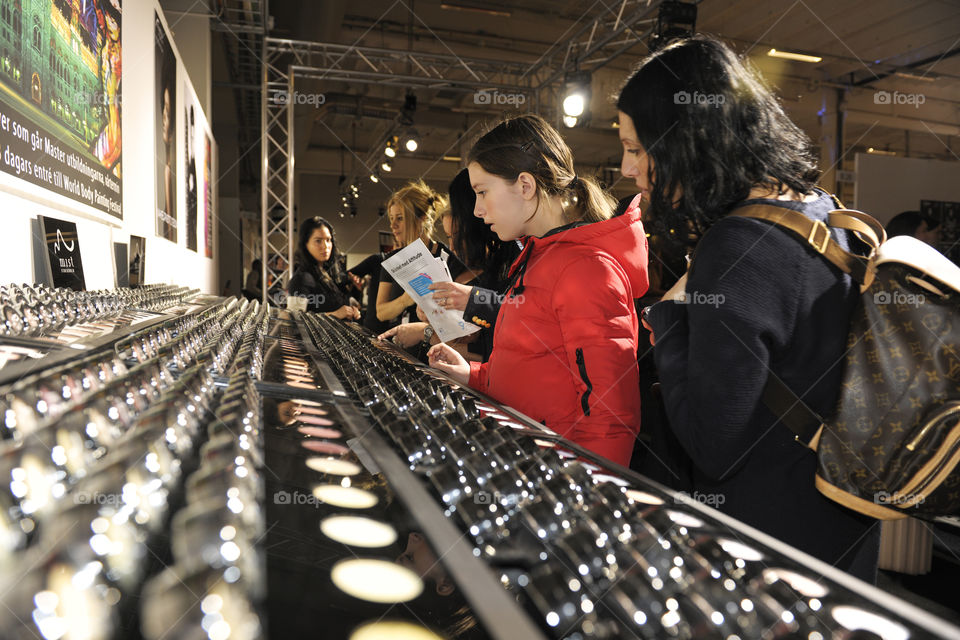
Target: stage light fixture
x: 411, y: 141
x: 391, y: 149
x: 675, y: 20
x: 386, y: 166
x: 576, y: 98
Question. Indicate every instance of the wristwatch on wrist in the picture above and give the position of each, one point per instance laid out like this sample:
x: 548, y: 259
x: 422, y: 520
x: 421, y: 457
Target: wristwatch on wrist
x: 428, y: 334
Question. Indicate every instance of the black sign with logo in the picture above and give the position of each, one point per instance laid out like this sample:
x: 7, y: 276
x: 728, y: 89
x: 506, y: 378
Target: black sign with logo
x: 63, y: 253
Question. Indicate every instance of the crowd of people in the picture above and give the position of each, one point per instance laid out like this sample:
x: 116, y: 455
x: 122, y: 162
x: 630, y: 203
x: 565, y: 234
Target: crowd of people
x: 551, y: 270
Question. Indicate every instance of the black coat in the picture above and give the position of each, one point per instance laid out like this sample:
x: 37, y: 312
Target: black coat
x: 318, y: 288
x: 760, y: 301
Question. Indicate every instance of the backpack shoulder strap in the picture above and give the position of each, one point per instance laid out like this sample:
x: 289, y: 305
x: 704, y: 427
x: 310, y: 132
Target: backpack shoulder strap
x: 803, y: 421
x: 817, y: 234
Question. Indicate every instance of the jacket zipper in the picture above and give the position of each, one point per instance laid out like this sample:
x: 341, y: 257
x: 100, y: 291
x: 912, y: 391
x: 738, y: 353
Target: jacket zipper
x: 585, y: 398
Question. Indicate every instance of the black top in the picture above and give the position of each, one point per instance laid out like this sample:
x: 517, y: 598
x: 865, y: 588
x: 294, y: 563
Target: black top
x: 370, y: 266
x: 318, y: 288
x: 454, y: 264
x: 759, y: 300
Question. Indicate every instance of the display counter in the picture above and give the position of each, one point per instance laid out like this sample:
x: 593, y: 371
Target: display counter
x: 232, y: 471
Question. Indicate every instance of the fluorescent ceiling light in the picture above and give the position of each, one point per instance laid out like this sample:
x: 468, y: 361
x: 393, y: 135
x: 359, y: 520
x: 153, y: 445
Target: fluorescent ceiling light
x: 915, y: 76
x: 788, y: 55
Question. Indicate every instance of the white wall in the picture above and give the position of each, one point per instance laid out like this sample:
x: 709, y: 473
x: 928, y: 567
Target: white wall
x: 887, y: 185
x: 21, y: 202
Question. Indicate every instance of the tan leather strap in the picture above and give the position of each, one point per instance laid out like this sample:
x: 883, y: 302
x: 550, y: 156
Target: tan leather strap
x: 864, y: 225
x: 817, y: 234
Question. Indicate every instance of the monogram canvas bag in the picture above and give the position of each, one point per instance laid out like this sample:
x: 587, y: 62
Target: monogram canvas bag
x: 892, y: 447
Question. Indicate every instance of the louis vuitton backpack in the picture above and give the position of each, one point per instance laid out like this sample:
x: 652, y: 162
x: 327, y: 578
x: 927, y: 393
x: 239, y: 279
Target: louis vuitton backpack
x: 892, y: 446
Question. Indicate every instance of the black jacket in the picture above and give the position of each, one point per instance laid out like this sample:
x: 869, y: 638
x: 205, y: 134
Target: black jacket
x: 760, y: 301
x: 318, y: 288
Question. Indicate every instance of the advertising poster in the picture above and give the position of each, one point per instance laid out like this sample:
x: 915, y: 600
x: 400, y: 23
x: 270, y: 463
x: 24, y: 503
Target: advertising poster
x: 60, y: 98
x: 63, y: 253
x: 165, y: 133
x: 208, y: 196
x: 193, y: 163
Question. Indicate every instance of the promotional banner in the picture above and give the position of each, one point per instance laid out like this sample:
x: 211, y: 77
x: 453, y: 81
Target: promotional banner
x: 165, y: 133
x: 60, y: 98
x: 63, y: 253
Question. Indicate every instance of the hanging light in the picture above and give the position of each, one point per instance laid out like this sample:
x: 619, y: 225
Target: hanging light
x: 391, y: 149
x: 386, y: 166
x: 374, y: 178
x: 412, y: 140
x: 576, y: 98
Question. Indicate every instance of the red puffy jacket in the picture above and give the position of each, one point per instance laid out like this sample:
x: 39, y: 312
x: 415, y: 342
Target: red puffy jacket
x: 565, y: 343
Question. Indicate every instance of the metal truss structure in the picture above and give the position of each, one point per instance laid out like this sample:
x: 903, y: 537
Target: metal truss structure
x: 600, y: 40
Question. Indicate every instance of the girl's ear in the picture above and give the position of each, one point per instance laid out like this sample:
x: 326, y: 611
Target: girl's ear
x: 528, y: 185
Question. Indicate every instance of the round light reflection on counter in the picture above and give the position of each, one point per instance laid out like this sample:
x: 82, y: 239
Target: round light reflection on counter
x: 393, y: 631
x: 346, y: 497
x: 643, y: 496
x: 685, y: 519
x: 857, y: 619
x: 376, y: 580
x: 358, y: 532
x: 739, y: 550
x: 334, y: 466
x: 798, y: 582
x: 609, y: 477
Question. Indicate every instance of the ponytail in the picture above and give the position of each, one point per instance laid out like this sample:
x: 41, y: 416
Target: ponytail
x: 588, y: 202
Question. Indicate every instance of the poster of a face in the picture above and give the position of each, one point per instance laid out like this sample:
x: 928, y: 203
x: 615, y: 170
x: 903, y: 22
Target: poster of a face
x: 60, y: 98
x: 208, y: 197
x: 165, y: 148
x: 191, y: 180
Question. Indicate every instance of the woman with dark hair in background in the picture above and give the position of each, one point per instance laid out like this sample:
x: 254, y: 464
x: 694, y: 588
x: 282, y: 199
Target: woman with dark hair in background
x: 318, y: 277
x: 755, y: 303
x: 486, y: 255
x: 565, y: 347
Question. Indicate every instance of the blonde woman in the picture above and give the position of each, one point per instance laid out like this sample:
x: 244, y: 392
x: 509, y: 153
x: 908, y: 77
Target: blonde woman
x: 412, y: 210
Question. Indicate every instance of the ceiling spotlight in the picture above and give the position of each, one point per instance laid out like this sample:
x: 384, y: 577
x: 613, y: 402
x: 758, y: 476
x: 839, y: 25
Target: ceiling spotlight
x: 675, y: 19
x: 374, y: 178
x: 411, y: 141
x: 569, y: 121
x: 386, y: 166
x: 391, y: 149
x: 353, y: 188
x: 576, y: 97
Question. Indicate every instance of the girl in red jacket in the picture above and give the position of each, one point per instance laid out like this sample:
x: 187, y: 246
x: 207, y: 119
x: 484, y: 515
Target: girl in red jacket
x: 565, y: 343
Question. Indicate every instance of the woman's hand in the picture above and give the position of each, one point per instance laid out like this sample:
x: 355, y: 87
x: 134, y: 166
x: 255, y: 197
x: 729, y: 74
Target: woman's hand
x: 451, y: 295
x: 677, y: 291
x: 445, y: 358
x: 422, y: 314
x: 405, y: 335
x: 346, y: 312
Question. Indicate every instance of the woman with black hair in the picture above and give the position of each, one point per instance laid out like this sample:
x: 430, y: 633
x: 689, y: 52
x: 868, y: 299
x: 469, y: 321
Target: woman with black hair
x: 319, y: 277
x: 702, y: 135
